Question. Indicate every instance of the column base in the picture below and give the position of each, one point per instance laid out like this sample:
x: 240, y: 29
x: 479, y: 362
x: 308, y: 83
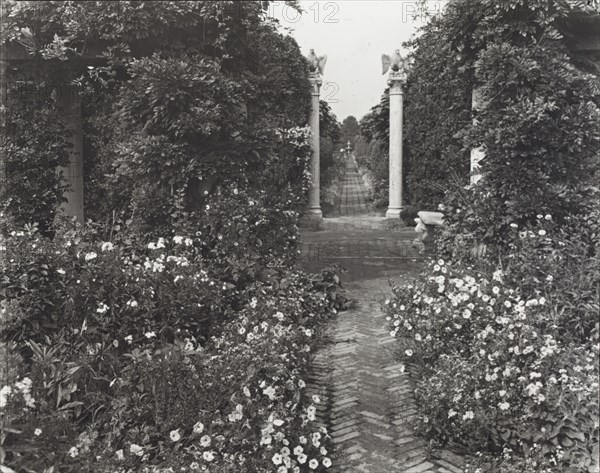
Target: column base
x: 393, y: 212
x: 314, y: 212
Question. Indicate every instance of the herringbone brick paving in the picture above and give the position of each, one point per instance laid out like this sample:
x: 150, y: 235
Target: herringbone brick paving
x: 368, y: 395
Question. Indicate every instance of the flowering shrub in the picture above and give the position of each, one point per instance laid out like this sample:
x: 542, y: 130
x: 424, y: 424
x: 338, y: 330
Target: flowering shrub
x: 507, y: 358
x: 163, y: 354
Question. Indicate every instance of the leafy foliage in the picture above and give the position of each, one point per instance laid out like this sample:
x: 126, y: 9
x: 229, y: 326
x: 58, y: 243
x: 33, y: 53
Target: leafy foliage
x: 506, y: 360
x: 178, y: 99
x: 120, y: 343
x: 537, y: 123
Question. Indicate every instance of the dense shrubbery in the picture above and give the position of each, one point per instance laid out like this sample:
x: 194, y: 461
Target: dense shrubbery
x: 127, y: 352
x: 172, y: 332
x: 372, y: 159
x: 503, y: 331
x: 508, y: 358
x: 332, y: 163
x: 33, y: 158
x: 179, y: 98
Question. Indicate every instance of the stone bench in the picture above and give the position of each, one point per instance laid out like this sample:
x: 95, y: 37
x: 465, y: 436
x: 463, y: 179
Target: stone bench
x: 427, y: 223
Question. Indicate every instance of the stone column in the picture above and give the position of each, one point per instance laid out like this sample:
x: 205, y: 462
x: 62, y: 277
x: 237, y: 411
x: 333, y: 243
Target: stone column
x: 478, y: 153
x: 396, y: 80
x: 70, y: 104
x: 314, y: 198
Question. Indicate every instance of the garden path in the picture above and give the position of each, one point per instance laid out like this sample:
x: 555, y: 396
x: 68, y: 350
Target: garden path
x: 367, y: 400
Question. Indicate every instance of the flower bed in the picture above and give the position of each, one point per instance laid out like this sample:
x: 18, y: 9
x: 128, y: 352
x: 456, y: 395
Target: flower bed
x: 507, y: 359
x: 132, y: 356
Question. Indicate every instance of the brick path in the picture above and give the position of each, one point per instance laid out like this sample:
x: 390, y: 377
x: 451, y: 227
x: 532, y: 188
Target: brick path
x: 367, y: 394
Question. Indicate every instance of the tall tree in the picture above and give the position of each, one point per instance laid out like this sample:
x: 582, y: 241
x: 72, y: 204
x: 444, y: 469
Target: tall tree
x: 349, y: 131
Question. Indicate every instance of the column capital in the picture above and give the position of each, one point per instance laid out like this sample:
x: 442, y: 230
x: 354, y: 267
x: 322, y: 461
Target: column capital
x: 316, y: 81
x: 397, y: 78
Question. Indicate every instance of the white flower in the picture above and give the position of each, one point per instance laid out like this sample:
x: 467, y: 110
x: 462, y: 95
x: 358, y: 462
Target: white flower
x: 151, y: 246
x: 278, y: 422
x: 60, y: 271
x: 102, y: 308
x: 253, y: 302
x: 73, y: 452
x: 175, y: 435
x: 198, y: 427
x: 316, y: 399
x: 326, y: 462
x: 188, y: 242
x: 468, y: 415
x: 548, y: 217
x: 313, y: 464
x: 90, y: 256
x: 542, y: 300
x: 208, y: 456
x: 277, y: 459
x: 270, y: 391
x: 514, y: 225
x: 129, y: 339
x: 136, y: 450
x: 205, y: 441
x: 178, y: 239
x: 302, y: 458
x: 160, y: 243
x: 107, y: 246
x: 504, y: 406
x: 542, y: 233
x: 298, y: 450
x: 409, y: 352
x: 120, y: 456
x: 451, y: 413
x: 246, y: 391
x: 37, y: 432
x: 496, y: 290
x: 150, y: 335
x: 466, y: 314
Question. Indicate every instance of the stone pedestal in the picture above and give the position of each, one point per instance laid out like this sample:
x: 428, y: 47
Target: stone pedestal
x: 427, y: 225
x: 396, y: 81
x: 314, y: 198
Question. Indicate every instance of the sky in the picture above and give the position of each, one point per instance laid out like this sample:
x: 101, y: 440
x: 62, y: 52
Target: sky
x: 353, y: 34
